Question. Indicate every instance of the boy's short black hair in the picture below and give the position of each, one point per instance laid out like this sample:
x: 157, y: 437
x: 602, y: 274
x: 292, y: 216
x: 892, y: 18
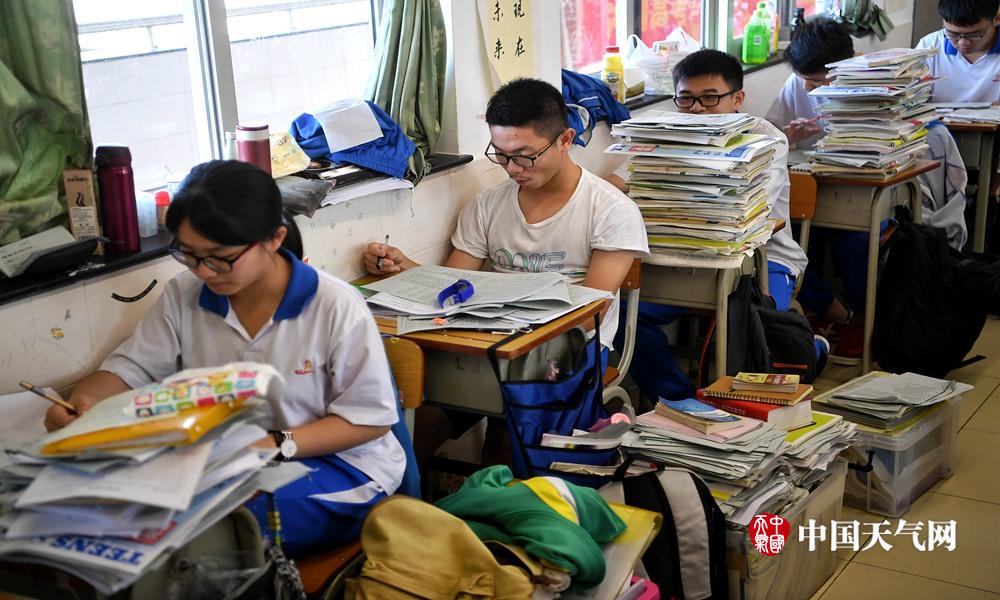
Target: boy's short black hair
x: 526, y: 102
x: 966, y: 13
x: 817, y: 43
x: 710, y: 62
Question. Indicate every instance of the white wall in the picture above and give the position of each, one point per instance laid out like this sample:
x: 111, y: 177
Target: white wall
x: 57, y: 337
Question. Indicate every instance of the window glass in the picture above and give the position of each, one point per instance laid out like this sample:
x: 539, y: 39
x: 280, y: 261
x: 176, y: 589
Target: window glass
x: 588, y: 27
x: 138, y: 84
x: 658, y: 18
x: 290, y: 57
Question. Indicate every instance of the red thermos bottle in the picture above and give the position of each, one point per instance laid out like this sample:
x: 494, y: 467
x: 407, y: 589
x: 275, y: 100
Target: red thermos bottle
x: 119, y: 217
x: 253, y: 145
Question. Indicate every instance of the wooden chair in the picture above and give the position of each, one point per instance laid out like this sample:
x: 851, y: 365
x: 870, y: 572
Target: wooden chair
x: 613, y: 375
x: 323, y: 575
x: 802, y: 204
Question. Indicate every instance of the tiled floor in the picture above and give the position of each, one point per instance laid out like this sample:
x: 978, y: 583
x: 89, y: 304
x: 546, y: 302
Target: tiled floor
x: 971, y: 496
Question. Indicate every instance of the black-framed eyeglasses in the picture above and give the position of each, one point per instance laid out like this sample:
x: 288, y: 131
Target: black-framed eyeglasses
x: 525, y: 162
x: 215, y: 263
x: 975, y: 36
x: 706, y: 100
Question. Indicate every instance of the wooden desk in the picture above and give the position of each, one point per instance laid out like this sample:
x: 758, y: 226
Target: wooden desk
x: 855, y: 204
x: 458, y: 374
x: 679, y: 281
x: 976, y: 144
x: 465, y: 341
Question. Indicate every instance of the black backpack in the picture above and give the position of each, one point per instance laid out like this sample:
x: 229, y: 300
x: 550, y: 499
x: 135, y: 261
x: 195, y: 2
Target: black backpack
x: 931, y: 304
x: 687, y: 558
x: 763, y: 339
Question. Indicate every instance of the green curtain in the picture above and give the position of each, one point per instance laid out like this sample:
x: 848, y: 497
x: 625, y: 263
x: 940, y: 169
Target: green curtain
x: 407, y: 76
x: 43, y: 119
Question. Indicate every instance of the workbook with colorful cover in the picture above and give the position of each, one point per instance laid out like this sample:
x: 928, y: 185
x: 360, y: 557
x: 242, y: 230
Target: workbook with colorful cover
x: 697, y: 415
x: 765, y: 382
x: 723, y: 388
x: 779, y: 416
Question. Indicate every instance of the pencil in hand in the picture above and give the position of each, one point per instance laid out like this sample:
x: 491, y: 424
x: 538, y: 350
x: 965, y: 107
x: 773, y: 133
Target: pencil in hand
x: 53, y: 399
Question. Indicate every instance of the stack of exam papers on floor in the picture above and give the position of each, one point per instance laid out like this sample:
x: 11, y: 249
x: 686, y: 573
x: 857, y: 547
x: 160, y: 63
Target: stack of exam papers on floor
x: 885, y: 401
x: 108, y: 515
x: 876, y: 111
x: 500, y: 301
x: 751, y: 468
x: 699, y: 181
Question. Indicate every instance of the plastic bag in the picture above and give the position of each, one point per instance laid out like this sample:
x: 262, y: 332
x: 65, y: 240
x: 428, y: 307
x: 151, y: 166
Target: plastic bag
x: 655, y: 67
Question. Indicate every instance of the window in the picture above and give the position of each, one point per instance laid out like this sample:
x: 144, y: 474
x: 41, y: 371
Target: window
x: 167, y: 77
x: 588, y: 26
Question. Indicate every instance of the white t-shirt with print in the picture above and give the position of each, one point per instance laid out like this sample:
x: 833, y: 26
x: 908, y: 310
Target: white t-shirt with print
x: 596, y: 217
x: 322, y: 339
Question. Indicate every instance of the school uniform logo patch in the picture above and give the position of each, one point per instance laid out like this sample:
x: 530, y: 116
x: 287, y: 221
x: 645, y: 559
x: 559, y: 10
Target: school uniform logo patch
x: 307, y: 368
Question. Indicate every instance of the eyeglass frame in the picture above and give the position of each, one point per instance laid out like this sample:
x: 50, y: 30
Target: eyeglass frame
x: 509, y: 158
x: 176, y: 252
x: 698, y: 99
x: 954, y: 36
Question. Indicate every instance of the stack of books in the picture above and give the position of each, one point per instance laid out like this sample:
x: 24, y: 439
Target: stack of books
x: 876, y: 110
x: 776, y: 399
x: 699, y: 180
x: 139, y: 475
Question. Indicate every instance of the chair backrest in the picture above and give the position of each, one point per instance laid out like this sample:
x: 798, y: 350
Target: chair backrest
x: 633, y: 276
x: 802, y: 196
x: 630, y: 305
x: 407, y: 362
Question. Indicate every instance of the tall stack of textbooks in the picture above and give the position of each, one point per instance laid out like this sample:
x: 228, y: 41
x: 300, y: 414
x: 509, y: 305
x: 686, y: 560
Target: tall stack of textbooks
x: 699, y: 180
x: 876, y: 110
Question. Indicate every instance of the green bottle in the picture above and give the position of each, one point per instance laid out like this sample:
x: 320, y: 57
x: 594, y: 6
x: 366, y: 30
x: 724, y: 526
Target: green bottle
x: 757, y: 37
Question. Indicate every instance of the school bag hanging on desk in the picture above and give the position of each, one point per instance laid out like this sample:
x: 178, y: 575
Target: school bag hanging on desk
x: 573, y: 400
x: 931, y: 303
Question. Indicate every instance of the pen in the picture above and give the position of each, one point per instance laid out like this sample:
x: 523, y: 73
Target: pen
x: 69, y: 407
x: 378, y: 261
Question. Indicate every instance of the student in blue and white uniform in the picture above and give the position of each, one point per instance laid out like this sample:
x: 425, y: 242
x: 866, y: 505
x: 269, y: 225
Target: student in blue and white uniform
x: 968, y: 51
x: 249, y: 297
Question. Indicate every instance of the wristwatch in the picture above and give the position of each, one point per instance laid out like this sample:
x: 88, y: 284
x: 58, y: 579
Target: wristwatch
x: 285, y: 442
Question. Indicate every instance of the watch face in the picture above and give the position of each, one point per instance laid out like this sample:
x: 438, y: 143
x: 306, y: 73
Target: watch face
x: 288, y: 449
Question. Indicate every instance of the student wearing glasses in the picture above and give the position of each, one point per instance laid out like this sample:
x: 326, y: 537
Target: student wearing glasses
x: 550, y: 216
x: 248, y: 297
x: 968, y: 51
x: 711, y: 82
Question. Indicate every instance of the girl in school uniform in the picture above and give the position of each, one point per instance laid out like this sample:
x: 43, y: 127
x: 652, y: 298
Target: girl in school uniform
x: 248, y: 297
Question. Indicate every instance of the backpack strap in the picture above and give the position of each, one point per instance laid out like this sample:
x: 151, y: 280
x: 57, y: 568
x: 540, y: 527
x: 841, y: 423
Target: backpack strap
x: 692, y: 530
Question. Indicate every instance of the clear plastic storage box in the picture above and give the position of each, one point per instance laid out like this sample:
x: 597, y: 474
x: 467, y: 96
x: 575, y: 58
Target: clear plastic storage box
x: 795, y: 573
x: 904, y: 463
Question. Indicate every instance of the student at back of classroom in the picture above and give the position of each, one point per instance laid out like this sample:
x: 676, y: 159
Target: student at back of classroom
x: 816, y: 44
x: 968, y: 51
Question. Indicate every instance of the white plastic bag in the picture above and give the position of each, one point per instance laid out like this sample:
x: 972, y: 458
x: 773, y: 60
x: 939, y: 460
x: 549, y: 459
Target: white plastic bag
x: 656, y: 67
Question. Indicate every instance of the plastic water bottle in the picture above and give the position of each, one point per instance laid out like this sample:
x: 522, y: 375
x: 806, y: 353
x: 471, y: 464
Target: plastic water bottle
x: 613, y: 73
x: 757, y: 37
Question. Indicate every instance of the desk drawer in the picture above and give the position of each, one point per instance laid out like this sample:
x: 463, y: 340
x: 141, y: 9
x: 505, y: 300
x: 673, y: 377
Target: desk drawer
x: 462, y: 381
x: 847, y: 206
x: 969, y: 146
x: 679, y: 286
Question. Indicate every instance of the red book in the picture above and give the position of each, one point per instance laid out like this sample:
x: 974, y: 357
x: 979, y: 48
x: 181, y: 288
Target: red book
x: 781, y: 417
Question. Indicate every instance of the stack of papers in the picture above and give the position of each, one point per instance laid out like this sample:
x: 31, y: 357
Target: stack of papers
x: 974, y: 115
x: 699, y: 181
x: 500, y: 301
x: 108, y: 516
x: 885, y: 401
x: 876, y: 111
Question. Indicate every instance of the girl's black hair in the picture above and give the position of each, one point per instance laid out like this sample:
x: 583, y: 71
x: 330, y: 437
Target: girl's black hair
x: 233, y: 203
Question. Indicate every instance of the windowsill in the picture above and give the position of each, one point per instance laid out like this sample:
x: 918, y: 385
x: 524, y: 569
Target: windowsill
x: 777, y: 59
x: 151, y: 249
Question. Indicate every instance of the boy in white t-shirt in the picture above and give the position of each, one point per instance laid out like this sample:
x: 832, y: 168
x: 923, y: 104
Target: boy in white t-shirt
x: 968, y: 51
x: 551, y: 216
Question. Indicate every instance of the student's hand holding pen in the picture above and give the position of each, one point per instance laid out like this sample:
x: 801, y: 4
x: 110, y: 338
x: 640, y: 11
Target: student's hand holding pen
x: 800, y: 129
x: 383, y: 259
